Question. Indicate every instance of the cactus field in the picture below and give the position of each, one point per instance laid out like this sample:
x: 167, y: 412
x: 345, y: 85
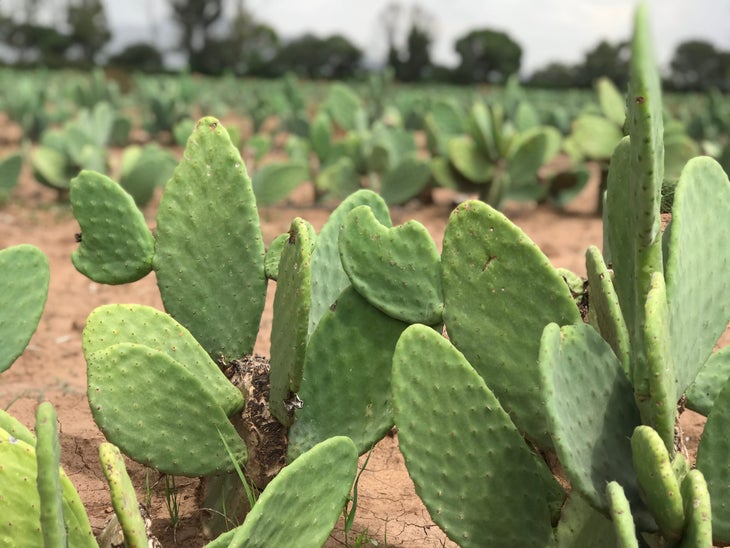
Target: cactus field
x: 363, y: 315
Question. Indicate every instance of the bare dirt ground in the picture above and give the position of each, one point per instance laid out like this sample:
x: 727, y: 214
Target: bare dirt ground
x: 53, y: 367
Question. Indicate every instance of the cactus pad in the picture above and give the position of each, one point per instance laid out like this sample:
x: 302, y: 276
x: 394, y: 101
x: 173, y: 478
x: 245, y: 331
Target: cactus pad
x: 291, y: 318
x: 697, y: 508
x: 623, y: 521
x: 605, y: 305
x: 116, y: 245
x: 703, y: 392
x: 209, y: 254
x: 398, y: 270
x: 657, y: 481
x: 48, y: 479
x: 697, y: 265
x: 130, y: 323
x: 712, y: 461
x: 500, y: 291
x: 302, y: 503
x: 24, y: 277
x: 159, y: 413
x: 405, y: 181
x: 582, y: 525
x: 124, y: 499
x: 470, y: 465
x: 591, y: 411
x: 273, y: 182
x: 328, y: 276
x: 346, y: 378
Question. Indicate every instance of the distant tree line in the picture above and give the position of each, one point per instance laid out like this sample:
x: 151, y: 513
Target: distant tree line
x: 214, y: 41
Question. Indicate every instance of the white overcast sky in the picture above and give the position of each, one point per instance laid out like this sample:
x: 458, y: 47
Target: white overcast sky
x: 547, y: 30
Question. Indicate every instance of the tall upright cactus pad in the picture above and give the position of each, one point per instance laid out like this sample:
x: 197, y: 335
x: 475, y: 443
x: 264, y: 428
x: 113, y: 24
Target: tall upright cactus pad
x: 177, y: 435
x: 591, y: 410
x: 24, y: 278
x: 116, y: 246
x: 124, y: 499
x: 712, y: 461
x: 500, y: 291
x: 398, y: 270
x: 346, y: 379
x: 703, y: 392
x: 291, y: 319
x: 470, y: 465
x: 131, y: 323
x: 48, y: 477
x: 698, y: 260
x: 301, y: 505
x: 328, y: 276
x: 209, y: 253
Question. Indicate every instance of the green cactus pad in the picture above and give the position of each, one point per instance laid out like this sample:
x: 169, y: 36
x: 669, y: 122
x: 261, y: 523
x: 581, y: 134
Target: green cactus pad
x: 697, y: 265
x: 613, y: 104
x: 620, y: 510
x: 10, y: 167
x: 291, y: 319
x: 20, y: 502
x: 500, y: 291
x: 582, y: 525
x: 657, y: 481
x: 124, y: 499
x: 619, y: 229
x: 596, y: 136
x: 273, y: 182
x: 605, y: 305
x: 48, y: 479
x: 16, y: 428
x: 328, y: 276
x: 405, y: 181
x: 116, y: 245
x: 654, y: 387
x: 470, y: 161
x: 591, y: 410
x: 159, y: 413
x: 24, y: 277
x: 302, y: 503
x: 470, y: 465
x: 697, y: 508
x: 346, y: 379
x: 273, y: 256
x: 398, y: 270
x: 712, y: 461
x: 209, y: 254
x: 680, y: 467
x: 131, y: 323
x: 703, y: 392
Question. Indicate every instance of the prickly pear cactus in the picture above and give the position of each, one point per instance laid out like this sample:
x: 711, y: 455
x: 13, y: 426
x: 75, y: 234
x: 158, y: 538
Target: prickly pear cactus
x: 24, y: 278
x: 209, y: 251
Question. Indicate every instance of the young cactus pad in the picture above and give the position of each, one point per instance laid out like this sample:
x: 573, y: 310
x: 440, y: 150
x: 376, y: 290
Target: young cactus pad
x: 24, y: 278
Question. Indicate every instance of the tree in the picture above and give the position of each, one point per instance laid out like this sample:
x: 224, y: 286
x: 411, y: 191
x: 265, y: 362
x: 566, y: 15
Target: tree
x: 195, y: 17
x: 554, y: 75
x: 252, y: 45
x: 416, y: 63
x: 89, y: 29
x: 334, y: 57
x: 606, y: 59
x: 697, y: 65
x: 138, y: 56
x: 40, y: 45
x: 487, y: 56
